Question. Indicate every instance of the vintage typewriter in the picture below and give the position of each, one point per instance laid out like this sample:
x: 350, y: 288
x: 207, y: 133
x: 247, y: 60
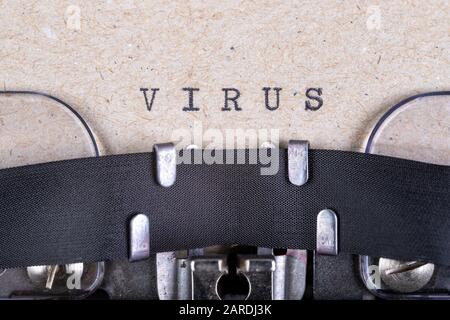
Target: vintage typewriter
x: 226, y: 272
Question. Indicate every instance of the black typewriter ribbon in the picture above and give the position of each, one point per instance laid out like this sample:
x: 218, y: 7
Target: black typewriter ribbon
x: 78, y: 210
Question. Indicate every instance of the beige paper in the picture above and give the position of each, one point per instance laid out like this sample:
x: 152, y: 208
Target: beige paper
x: 96, y: 55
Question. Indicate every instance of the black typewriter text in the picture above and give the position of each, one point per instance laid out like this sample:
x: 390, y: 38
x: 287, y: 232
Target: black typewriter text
x: 271, y: 99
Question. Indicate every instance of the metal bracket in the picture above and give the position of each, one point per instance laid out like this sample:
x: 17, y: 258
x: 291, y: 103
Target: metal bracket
x: 327, y: 233
x: 298, y: 161
x: 139, y: 238
x: 197, y: 274
x: 166, y: 163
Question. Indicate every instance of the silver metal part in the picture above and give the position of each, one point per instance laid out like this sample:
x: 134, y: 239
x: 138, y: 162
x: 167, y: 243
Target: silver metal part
x: 205, y: 274
x: 258, y: 270
x: 405, y: 276
x: 139, y: 237
x: 298, y: 162
x: 327, y: 233
x: 166, y: 163
x: 174, y: 276
x: 289, y: 277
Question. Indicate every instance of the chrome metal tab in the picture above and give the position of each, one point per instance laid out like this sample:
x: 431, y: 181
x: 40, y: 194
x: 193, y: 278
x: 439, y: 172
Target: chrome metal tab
x: 298, y: 162
x: 327, y: 233
x: 139, y: 237
x: 258, y: 271
x: 166, y: 163
x: 206, y: 272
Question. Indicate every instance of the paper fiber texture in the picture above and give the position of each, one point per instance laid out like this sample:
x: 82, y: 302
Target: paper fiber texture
x: 97, y: 55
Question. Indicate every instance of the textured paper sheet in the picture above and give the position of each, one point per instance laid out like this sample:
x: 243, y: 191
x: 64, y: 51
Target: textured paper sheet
x: 96, y: 55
